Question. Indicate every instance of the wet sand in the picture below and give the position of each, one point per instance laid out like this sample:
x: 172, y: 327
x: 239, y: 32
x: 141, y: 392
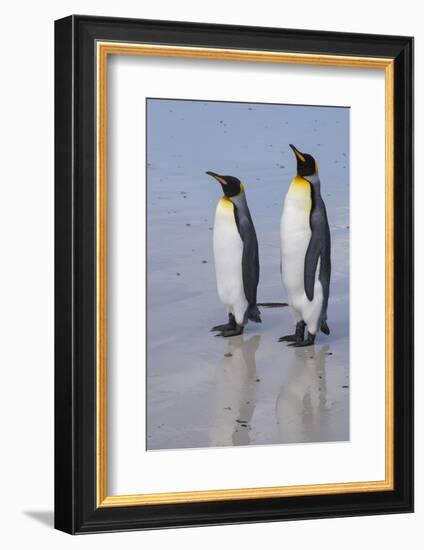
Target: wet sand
x: 206, y: 391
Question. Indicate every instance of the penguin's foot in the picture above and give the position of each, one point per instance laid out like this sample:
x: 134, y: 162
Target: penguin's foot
x: 232, y: 332
x: 231, y: 325
x: 298, y: 336
x: 220, y: 328
x: 253, y: 313
x: 310, y: 340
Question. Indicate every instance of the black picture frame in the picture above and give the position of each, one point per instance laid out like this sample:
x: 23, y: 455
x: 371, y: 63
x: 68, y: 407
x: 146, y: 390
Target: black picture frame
x: 75, y: 275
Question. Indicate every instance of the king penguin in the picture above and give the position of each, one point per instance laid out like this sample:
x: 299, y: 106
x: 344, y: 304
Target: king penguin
x: 236, y: 257
x: 305, y: 252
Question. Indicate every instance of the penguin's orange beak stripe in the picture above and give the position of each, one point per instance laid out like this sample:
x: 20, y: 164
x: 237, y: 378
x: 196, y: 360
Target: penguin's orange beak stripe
x: 217, y: 177
x: 221, y: 180
x: 297, y: 153
x: 299, y: 156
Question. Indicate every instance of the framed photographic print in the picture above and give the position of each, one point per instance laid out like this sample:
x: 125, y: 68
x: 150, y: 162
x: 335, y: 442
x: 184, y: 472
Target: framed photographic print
x: 234, y: 274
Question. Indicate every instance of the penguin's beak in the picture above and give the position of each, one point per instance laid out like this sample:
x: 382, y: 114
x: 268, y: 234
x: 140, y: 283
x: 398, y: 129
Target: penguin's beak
x: 297, y: 153
x: 217, y: 177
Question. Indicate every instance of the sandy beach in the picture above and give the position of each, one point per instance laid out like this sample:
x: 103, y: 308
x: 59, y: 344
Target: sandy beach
x: 204, y: 391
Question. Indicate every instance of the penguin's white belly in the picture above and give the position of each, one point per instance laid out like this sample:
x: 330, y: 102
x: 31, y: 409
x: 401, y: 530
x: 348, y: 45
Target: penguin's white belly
x: 295, y: 235
x: 228, y: 254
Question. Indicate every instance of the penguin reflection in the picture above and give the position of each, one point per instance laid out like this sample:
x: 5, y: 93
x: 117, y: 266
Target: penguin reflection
x: 235, y: 393
x: 301, y: 409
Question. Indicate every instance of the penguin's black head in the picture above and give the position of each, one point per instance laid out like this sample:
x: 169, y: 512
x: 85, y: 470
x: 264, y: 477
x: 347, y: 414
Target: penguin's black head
x: 306, y: 165
x: 230, y: 185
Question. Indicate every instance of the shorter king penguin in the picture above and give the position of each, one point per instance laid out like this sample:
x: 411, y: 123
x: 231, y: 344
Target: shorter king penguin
x: 236, y: 257
x: 305, y: 252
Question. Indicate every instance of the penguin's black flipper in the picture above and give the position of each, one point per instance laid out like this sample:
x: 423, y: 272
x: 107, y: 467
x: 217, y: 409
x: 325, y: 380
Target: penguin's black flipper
x: 311, y: 262
x: 318, y: 249
x: 250, y: 259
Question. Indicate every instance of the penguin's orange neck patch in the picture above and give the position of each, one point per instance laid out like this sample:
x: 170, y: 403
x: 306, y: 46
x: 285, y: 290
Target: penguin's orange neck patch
x: 300, y: 193
x: 299, y: 183
x: 225, y: 207
x: 226, y: 201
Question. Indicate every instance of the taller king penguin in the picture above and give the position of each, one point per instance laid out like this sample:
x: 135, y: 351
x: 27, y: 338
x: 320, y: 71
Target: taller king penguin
x: 305, y: 252
x: 236, y: 257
